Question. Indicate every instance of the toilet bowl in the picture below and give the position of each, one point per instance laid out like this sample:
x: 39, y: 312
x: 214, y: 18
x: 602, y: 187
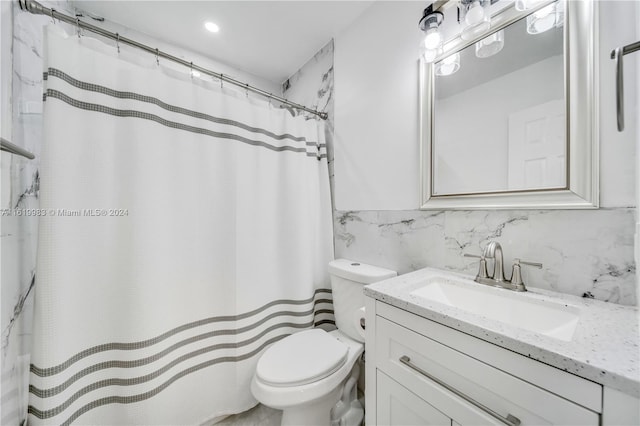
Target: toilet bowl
x: 312, y: 375
x: 303, y: 376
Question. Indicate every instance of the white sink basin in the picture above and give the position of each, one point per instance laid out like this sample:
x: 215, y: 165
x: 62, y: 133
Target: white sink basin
x: 551, y: 319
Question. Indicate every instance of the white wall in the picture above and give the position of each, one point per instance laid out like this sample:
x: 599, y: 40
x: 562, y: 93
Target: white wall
x: 376, y: 121
x: 617, y: 150
x: 377, y: 124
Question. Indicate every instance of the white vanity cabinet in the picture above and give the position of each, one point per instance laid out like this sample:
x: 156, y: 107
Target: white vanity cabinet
x: 419, y: 372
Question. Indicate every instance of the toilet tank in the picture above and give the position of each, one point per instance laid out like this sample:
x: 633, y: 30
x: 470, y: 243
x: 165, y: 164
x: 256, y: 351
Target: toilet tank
x: 347, y: 280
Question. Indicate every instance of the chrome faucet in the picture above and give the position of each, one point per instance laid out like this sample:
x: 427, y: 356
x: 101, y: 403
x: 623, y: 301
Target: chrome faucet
x: 493, y: 250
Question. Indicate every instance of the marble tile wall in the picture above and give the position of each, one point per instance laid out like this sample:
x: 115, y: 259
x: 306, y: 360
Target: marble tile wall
x: 312, y: 86
x: 582, y: 251
x: 19, y: 197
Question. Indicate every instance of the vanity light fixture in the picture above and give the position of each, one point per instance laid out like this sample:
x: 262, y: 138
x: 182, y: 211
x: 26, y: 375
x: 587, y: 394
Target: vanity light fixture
x: 548, y: 17
x: 430, y: 23
x: 474, y: 16
x: 490, y: 45
x: 448, y: 65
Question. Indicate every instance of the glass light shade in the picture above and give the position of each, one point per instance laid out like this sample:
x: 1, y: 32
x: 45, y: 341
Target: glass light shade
x: 475, y: 13
x: 476, y: 19
x: 542, y: 20
x: 490, y: 45
x: 522, y: 5
x: 448, y: 65
x: 430, y: 55
x: 433, y: 38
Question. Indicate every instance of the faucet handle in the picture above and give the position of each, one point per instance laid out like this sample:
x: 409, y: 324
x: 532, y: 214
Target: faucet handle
x: 516, y: 273
x: 482, y: 270
x: 534, y: 264
x: 473, y: 255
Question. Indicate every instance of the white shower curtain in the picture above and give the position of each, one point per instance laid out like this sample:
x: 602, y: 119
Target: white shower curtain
x: 184, y: 229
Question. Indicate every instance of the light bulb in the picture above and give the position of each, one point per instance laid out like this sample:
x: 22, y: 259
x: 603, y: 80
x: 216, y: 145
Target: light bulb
x: 476, y: 20
x: 433, y: 39
x: 475, y: 14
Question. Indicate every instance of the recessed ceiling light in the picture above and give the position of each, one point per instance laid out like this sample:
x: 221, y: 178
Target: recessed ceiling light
x: 210, y: 26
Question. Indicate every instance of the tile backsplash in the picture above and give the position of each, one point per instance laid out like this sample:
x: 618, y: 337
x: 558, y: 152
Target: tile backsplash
x: 581, y: 251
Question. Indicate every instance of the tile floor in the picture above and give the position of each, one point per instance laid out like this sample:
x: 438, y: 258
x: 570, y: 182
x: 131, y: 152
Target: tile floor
x: 258, y: 415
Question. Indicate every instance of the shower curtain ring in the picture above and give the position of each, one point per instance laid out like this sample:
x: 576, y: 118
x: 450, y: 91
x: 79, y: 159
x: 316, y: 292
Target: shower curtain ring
x: 157, y: 57
x: 78, y: 26
x: 53, y: 19
x: 270, y: 96
x: 118, y: 42
x: 191, y: 69
x: 221, y: 80
x: 246, y: 90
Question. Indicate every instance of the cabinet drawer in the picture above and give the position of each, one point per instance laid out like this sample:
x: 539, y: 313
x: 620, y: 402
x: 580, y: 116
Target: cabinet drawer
x: 569, y: 386
x: 397, y: 405
x: 500, y: 392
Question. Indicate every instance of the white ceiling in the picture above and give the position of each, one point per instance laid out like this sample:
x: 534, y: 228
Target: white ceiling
x: 271, y: 39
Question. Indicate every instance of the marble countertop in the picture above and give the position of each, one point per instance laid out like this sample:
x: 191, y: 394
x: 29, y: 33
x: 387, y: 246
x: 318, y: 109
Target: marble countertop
x: 604, y: 348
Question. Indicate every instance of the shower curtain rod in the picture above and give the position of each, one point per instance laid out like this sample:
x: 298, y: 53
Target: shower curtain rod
x: 38, y: 9
x: 7, y: 146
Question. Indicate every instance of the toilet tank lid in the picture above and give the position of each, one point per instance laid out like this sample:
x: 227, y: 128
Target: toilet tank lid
x: 359, y: 272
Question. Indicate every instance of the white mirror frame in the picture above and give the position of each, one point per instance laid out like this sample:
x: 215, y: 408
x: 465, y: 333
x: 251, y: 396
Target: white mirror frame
x: 581, y: 93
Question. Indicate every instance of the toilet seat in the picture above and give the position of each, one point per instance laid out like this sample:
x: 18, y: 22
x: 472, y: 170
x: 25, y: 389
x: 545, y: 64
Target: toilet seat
x: 302, y: 358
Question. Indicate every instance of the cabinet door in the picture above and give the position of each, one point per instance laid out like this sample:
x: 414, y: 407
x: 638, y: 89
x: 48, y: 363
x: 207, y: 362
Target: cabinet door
x: 397, y: 406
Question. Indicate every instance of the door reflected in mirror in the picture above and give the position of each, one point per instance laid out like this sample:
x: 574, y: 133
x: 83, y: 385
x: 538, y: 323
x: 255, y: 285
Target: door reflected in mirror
x: 500, y: 114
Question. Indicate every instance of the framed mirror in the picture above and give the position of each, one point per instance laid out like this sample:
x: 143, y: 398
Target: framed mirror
x: 509, y: 119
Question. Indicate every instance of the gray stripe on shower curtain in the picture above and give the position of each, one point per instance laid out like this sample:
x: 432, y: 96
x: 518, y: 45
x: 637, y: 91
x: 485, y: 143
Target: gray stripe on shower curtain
x: 50, y: 371
x: 146, y: 395
x: 320, y: 298
x: 53, y: 72
x: 52, y: 93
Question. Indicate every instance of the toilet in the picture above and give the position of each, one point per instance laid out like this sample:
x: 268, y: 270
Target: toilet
x: 312, y: 375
